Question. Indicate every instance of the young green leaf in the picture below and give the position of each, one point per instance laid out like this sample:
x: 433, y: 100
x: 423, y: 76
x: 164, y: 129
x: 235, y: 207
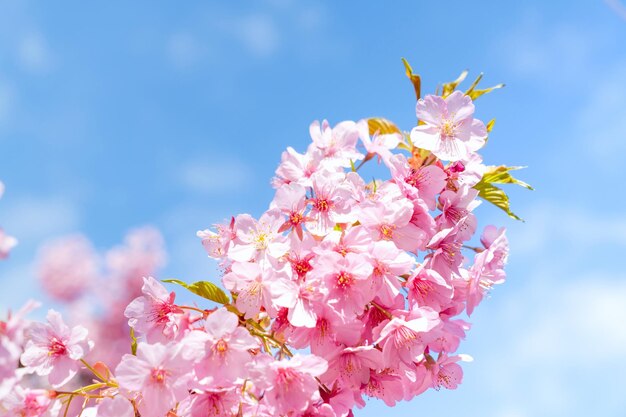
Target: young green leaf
x: 204, y: 289
x: 448, y: 88
x: 415, y: 79
x: 496, y: 196
x: 381, y: 126
x: 133, y: 342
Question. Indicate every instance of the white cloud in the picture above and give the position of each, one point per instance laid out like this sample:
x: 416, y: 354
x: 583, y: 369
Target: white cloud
x: 566, y: 229
x: 258, y: 33
x: 35, y: 218
x: 562, y: 344
x: 33, y: 53
x: 215, y: 174
x: 584, y: 319
x: 618, y: 7
x: 539, y: 48
x: 184, y: 50
x: 602, y: 119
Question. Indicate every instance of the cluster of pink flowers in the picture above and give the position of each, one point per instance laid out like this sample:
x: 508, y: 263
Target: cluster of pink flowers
x: 95, y: 288
x: 343, y: 289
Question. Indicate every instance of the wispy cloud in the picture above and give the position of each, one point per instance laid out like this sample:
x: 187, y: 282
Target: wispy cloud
x: 559, y: 52
x: 618, y: 7
x: 184, y: 50
x: 564, y: 229
x: 36, y: 218
x: 215, y: 173
x: 602, y: 119
x: 34, y: 54
x: 258, y: 33
x: 562, y: 330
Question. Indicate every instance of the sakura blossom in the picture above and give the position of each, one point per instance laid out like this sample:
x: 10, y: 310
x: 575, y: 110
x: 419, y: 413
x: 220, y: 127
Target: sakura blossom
x: 343, y: 289
x: 155, y: 314
x: 157, y: 377
x: 449, y: 129
x: 53, y: 349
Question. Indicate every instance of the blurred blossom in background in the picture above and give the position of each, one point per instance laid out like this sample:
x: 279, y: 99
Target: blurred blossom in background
x: 115, y: 116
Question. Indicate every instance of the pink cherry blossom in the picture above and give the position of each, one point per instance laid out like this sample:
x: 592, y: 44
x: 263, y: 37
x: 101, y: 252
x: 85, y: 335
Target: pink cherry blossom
x: 53, y: 349
x: 215, y: 403
x: 351, y: 366
x: 331, y: 328
x: 259, y: 286
x: 400, y: 338
x: 337, y: 143
x: 298, y: 168
x: 329, y: 202
x: 446, y: 257
x: 487, y: 269
x: 346, y: 280
x: 290, y: 199
x: 67, y: 267
x: 386, y: 385
x: 428, y: 288
x: 388, y: 264
x: 115, y: 407
x: 423, y: 183
x: 391, y: 221
x: 155, y: 314
x: 158, y: 375
x: 26, y: 402
x: 369, y: 277
x: 446, y: 372
x: 258, y: 239
x: 218, y: 244
x: 449, y: 130
x: 379, y: 144
x: 221, y: 350
x: 291, y: 386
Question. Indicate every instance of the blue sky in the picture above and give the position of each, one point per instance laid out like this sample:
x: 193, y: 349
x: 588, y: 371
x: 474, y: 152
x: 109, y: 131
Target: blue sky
x: 115, y: 115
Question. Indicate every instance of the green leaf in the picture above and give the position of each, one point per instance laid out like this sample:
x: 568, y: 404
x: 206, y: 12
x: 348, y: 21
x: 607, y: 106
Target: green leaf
x: 502, y: 175
x: 415, y: 79
x: 474, y: 94
x: 490, y: 125
x: 448, y: 88
x: 175, y: 281
x: 204, y: 289
x: 381, y: 126
x: 133, y: 342
x: 209, y: 291
x: 496, y: 196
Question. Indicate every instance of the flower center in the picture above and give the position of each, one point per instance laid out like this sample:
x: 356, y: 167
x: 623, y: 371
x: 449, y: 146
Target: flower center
x: 158, y: 375
x: 344, y: 279
x: 386, y: 231
x: 286, y: 376
x: 447, y: 129
x: 261, y: 241
x: 301, y: 267
x: 404, y: 336
x: 422, y: 287
x: 295, y: 218
x: 221, y: 347
x: 56, y: 347
x: 322, y: 205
